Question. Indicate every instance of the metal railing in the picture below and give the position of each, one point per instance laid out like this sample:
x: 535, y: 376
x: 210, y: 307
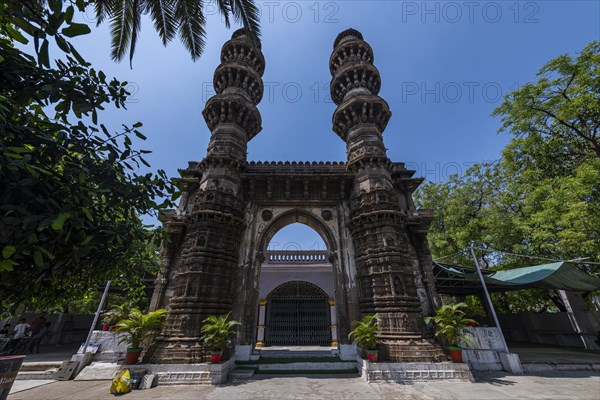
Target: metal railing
x: 296, y: 256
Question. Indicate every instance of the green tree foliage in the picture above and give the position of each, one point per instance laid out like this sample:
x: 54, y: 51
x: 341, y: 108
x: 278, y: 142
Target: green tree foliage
x: 171, y: 17
x: 543, y: 197
x: 71, y: 191
x: 558, y: 116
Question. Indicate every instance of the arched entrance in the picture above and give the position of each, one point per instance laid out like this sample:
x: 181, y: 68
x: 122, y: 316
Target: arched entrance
x: 297, y: 287
x: 297, y: 315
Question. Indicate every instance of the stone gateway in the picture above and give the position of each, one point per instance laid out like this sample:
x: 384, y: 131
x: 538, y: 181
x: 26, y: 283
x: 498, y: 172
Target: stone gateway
x: 377, y: 254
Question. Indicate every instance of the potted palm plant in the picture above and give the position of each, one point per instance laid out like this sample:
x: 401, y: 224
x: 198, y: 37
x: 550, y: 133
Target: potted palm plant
x: 364, y: 334
x: 450, y: 322
x: 114, y: 315
x: 218, y: 334
x: 141, y: 328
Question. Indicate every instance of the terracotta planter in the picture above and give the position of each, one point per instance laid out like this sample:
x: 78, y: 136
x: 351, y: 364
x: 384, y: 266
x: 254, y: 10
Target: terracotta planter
x: 133, y: 355
x: 455, y: 353
x: 105, y: 327
x: 372, y: 355
x: 216, y: 356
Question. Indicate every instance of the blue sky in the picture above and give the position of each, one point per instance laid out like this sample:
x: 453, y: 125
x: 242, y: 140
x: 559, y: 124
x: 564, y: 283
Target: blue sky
x: 444, y: 66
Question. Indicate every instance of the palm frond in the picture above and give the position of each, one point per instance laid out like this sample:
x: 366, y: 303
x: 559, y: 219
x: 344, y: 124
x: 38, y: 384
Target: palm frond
x: 191, y: 22
x: 225, y: 9
x: 248, y: 13
x: 135, y: 28
x: 120, y: 27
x: 102, y: 8
x: 162, y: 13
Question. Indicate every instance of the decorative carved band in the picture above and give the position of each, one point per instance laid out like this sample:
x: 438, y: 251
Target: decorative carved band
x: 361, y: 110
x: 353, y: 77
x: 233, y: 75
x: 222, y: 109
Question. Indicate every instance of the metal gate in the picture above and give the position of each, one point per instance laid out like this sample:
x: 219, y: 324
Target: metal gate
x: 297, y: 315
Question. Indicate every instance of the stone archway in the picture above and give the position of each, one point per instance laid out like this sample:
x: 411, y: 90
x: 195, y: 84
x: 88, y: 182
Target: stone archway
x: 324, y: 218
x: 232, y: 207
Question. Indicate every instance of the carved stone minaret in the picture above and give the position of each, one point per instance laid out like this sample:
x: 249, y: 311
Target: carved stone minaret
x: 386, y: 260
x: 200, y: 278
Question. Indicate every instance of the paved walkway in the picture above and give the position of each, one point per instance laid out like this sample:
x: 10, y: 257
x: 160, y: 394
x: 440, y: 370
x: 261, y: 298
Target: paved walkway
x: 489, y: 386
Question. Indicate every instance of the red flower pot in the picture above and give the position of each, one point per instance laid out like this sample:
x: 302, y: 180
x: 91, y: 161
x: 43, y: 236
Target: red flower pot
x: 105, y: 327
x: 473, y: 324
x: 455, y: 353
x: 372, y: 355
x: 133, y: 355
x: 215, y: 358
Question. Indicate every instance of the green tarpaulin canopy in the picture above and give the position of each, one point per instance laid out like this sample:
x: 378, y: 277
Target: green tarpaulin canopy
x: 454, y: 279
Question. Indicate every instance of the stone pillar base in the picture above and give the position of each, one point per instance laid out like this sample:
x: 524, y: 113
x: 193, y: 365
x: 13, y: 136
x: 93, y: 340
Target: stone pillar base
x: 410, y: 351
x: 413, y: 372
x: 189, y: 374
x: 178, y: 351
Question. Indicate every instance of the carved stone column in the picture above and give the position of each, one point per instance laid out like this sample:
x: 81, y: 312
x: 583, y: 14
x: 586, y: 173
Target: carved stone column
x: 204, y: 282
x: 384, y: 259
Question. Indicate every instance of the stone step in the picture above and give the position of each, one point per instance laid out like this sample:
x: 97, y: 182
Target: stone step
x: 298, y: 352
x: 285, y: 360
x: 305, y: 366
x: 302, y: 372
x: 241, y: 374
x: 40, y: 365
x: 30, y: 375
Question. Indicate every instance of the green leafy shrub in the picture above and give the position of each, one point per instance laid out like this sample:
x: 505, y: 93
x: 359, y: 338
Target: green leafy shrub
x: 365, y: 331
x: 450, y: 324
x: 218, y: 331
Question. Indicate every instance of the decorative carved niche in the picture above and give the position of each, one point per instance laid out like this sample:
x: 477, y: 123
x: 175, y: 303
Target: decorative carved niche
x: 390, y: 241
x: 398, y: 286
x: 201, y: 240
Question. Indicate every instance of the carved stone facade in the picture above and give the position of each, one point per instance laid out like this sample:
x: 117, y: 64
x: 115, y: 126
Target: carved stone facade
x: 231, y: 208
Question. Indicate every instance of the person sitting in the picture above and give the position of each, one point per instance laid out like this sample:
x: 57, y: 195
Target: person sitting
x: 20, y: 332
x: 4, y: 332
x: 4, y: 336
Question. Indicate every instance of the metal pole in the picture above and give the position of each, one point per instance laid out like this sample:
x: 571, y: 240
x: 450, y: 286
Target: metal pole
x: 89, y: 336
x: 489, y: 300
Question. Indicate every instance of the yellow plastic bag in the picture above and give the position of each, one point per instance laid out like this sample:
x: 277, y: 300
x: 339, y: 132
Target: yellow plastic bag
x: 121, y: 383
